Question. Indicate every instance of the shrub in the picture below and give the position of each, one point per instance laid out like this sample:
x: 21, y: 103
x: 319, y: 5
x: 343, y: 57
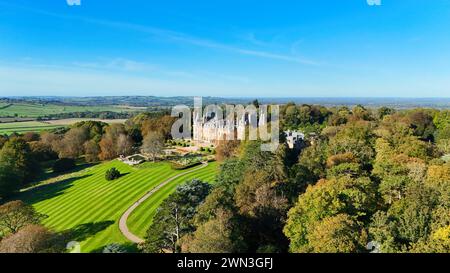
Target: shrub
x: 185, y: 163
x: 112, y: 174
x: 114, y: 248
x: 64, y: 165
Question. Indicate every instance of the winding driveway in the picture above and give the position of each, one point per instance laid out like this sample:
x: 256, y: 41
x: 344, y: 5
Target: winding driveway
x: 123, y: 219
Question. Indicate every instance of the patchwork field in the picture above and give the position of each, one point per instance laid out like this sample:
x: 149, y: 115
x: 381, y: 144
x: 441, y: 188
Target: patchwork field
x: 26, y: 126
x: 71, y: 121
x: 88, y: 207
x: 40, y: 110
x: 38, y: 126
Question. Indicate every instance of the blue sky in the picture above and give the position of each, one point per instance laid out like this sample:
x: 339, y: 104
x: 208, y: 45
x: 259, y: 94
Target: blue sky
x: 251, y: 48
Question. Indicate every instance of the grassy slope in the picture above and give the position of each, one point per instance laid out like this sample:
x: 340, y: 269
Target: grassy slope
x: 141, y: 218
x: 90, y: 206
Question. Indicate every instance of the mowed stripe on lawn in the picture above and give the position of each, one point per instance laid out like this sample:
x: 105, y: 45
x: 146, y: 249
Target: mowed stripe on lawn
x: 140, y: 220
x: 108, y: 191
x: 90, y: 199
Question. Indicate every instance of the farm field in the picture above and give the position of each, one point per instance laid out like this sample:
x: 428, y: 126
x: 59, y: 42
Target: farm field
x: 26, y: 126
x: 88, y: 207
x: 37, y: 126
x: 71, y: 121
x: 31, y: 110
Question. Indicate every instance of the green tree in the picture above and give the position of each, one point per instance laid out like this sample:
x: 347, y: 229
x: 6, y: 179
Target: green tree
x: 337, y: 234
x: 222, y: 195
x: 356, y: 138
x: 17, y: 159
x: 355, y: 197
x: 412, y: 220
x: 313, y: 159
x: 384, y: 111
x: 213, y: 236
x: 112, y: 174
x: 422, y: 124
x: 382, y: 232
x: 439, y: 242
x: 173, y: 218
x: 9, y: 181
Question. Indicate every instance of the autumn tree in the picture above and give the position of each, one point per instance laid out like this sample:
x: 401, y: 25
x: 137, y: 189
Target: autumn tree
x: 422, y: 124
x: 91, y: 150
x: 31, y: 136
x: 153, y: 145
x: 15, y: 215
x: 256, y: 194
x: 124, y: 144
x: 32, y: 239
x: 115, y: 142
x: 51, y: 140
x: 438, y: 179
x: 107, y: 149
x: 42, y: 151
x: 227, y: 149
x: 72, y: 144
x: 160, y: 125
x: 439, y: 242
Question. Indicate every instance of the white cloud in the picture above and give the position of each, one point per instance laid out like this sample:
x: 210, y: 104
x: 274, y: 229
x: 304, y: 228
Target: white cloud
x: 176, y: 36
x: 121, y: 64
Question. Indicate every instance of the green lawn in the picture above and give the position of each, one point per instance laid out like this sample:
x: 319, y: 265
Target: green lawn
x: 141, y: 218
x: 27, y: 126
x: 89, y: 207
x: 38, y: 110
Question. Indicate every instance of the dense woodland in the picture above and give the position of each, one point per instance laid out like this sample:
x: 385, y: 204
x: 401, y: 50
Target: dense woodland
x: 364, y: 175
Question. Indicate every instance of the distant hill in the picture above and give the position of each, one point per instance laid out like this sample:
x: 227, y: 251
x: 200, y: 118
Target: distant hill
x: 165, y: 102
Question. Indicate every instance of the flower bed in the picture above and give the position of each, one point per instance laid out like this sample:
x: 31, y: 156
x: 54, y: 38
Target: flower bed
x: 186, y: 162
